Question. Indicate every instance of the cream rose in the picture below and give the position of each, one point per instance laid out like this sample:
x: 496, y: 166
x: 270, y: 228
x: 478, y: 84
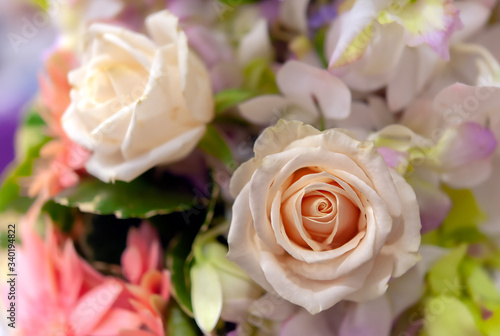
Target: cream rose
x: 138, y: 102
x: 320, y: 218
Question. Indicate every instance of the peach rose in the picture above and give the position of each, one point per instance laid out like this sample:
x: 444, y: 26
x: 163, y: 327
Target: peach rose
x: 320, y: 218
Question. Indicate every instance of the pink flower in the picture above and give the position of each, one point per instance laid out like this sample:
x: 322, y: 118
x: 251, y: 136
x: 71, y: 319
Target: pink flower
x: 60, y: 294
x: 142, y: 254
x: 63, y: 160
x: 54, y: 84
x: 149, y: 284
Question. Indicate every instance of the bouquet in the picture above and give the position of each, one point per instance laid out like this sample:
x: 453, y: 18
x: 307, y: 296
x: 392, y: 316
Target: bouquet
x: 244, y: 167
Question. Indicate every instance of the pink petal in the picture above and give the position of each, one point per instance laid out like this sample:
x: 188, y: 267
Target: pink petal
x: 132, y: 264
x: 304, y: 323
x: 115, y: 321
x: 315, y: 86
x: 434, y: 204
x: 154, y: 255
x: 71, y: 275
x: 439, y: 39
x: 474, y: 16
x: 373, y: 318
x: 393, y: 158
x: 465, y: 144
x: 93, y: 306
x: 135, y: 333
x: 166, y: 285
x: 459, y: 103
x: 152, y: 321
x: 488, y: 194
x: 470, y: 175
x: 77, y: 156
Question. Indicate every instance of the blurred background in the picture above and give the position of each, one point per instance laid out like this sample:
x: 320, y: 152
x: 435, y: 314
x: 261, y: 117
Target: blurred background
x: 22, y: 44
x: 22, y: 47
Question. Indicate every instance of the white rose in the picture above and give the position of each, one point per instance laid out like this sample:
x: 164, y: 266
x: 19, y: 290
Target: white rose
x: 320, y: 218
x: 138, y: 102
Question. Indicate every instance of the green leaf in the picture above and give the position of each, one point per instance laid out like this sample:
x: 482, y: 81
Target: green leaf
x: 30, y: 135
x: 179, y: 270
x: 469, y: 235
x: 33, y: 119
x: 444, y: 276
x: 43, y: 4
x: 480, y: 286
x: 461, y: 224
x: 319, y: 45
x: 449, y: 317
x: 178, y: 323
x: 206, y: 296
x: 491, y: 326
x: 235, y: 3
x: 180, y: 256
x: 137, y: 199
x: 226, y: 99
x: 465, y: 212
x: 30, y: 138
x: 493, y: 259
x: 216, y: 255
x: 214, y: 144
x: 431, y: 238
x: 63, y: 216
x: 259, y: 77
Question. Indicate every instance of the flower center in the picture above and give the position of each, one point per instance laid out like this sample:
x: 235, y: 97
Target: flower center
x: 317, y: 206
x: 319, y: 213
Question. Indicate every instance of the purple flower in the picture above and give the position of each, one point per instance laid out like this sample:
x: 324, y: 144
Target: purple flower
x: 322, y: 16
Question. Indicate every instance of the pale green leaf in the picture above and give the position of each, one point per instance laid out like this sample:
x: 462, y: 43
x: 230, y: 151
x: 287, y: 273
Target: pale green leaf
x: 206, y: 296
x: 260, y: 78
x: 444, y: 276
x: 447, y: 316
x: 480, y: 285
x: 226, y: 99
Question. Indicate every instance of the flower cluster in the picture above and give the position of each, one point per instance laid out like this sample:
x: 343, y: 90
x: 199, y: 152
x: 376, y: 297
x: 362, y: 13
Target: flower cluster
x: 296, y: 167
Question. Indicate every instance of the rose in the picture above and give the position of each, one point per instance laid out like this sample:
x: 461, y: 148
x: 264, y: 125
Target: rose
x: 319, y: 217
x: 137, y: 102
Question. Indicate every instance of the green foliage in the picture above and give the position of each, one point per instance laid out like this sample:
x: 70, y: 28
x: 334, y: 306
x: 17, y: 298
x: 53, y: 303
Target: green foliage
x: 491, y: 326
x: 62, y: 216
x: 43, y: 4
x: 30, y: 139
x: 461, y: 289
x: 226, y: 99
x: 465, y: 213
x: 259, y: 78
x: 479, y: 285
x: 449, y: 317
x: 178, y: 323
x: 234, y: 3
x: 177, y: 261
x: 180, y: 257
x: 461, y: 224
x: 137, y: 199
x: 445, y: 272
x: 319, y: 45
x: 214, y: 144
